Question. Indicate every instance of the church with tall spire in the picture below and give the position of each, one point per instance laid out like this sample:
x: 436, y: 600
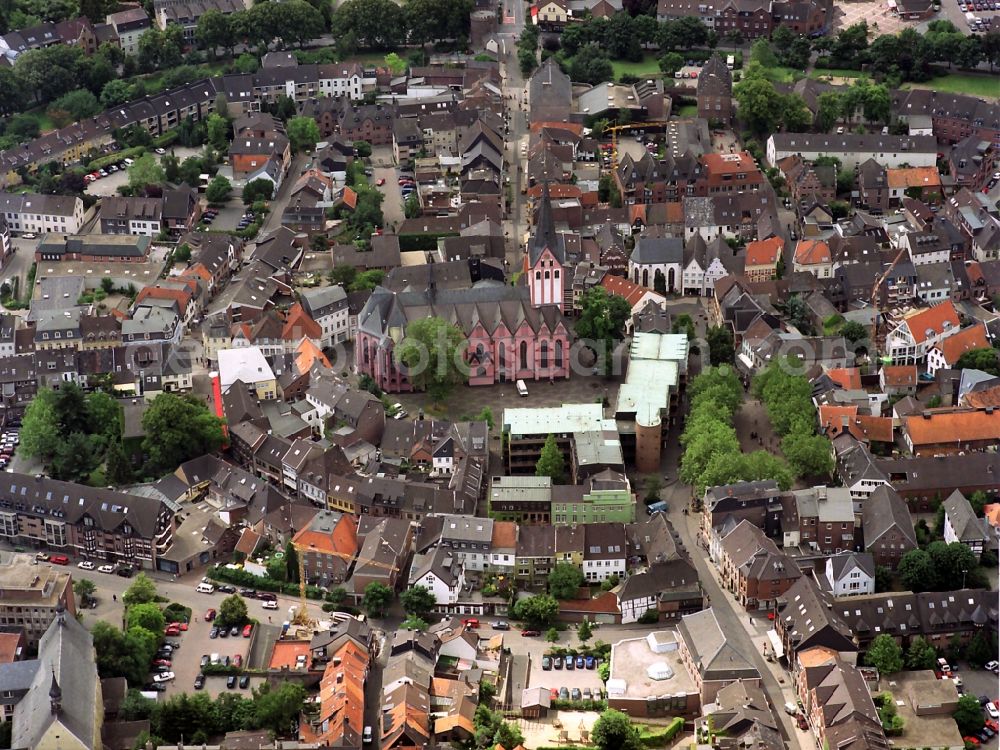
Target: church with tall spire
x: 545, y: 259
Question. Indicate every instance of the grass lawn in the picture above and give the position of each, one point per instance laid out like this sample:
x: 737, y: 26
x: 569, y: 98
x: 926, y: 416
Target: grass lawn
x: 45, y: 123
x: 781, y: 74
x: 962, y: 83
x: 649, y: 66
x: 368, y: 58
x: 686, y: 110
x: 835, y: 72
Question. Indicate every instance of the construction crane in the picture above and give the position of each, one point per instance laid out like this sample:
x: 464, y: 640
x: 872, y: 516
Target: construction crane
x: 302, y: 618
x: 615, y: 129
x: 876, y: 312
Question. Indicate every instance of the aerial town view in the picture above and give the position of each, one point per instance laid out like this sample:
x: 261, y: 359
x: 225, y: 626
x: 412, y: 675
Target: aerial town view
x: 499, y: 375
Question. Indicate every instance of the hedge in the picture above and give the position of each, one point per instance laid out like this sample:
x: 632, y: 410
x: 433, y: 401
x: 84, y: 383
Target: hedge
x: 219, y: 669
x: 581, y: 705
x: 239, y: 577
x: 103, y: 161
x: 662, y: 735
x: 167, y: 139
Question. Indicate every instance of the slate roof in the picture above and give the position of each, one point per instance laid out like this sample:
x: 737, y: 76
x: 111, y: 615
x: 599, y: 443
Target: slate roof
x: 713, y: 654
x: 658, y: 250
x: 968, y: 527
x: 884, y: 510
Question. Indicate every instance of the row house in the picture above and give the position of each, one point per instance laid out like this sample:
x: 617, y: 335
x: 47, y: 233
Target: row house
x: 954, y: 117
x: 750, y: 18
x: 670, y: 588
x: 820, y: 519
x: 853, y: 149
x: 131, y: 215
x: 39, y: 213
x: 943, y: 432
x: 185, y: 13
x: 707, y: 263
x: 753, y: 568
x: 726, y: 506
x: 979, y: 221
x: 86, y: 522
x: 808, y: 183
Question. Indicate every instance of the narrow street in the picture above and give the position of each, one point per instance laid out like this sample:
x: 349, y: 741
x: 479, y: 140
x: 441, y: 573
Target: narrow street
x: 515, y: 225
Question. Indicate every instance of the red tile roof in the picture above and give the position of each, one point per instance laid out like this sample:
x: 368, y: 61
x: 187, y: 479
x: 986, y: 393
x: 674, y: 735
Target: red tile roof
x: 764, y: 252
x: 299, y: 325
x: 900, y: 376
x: 973, y: 337
x: 624, y: 288
x: 907, y: 177
x: 846, y: 377
x: 932, y: 321
x: 953, y: 427
x: 810, y: 252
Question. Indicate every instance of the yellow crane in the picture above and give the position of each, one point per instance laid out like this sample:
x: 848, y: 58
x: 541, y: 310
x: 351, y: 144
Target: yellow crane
x: 876, y: 311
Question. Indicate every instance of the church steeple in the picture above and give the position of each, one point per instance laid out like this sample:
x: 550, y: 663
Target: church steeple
x: 55, y: 695
x: 545, y: 236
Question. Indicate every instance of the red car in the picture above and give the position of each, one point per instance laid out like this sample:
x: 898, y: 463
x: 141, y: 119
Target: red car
x: 530, y: 634
x: 801, y: 721
x: 470, y: 622
x: 172, y: 630
x: 209, y: 615
x: 972, y: 740
x: 162, y: 663
x: 380, y: 181
x: 179, y: 625
x: 59, y: 560
x: 247, y: 630
x: 238, y: 660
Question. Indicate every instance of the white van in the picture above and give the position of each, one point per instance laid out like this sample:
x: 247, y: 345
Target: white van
x: 205, y: 588
x: 522, y: 389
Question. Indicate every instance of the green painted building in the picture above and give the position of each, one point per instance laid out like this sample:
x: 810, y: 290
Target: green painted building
x: 605, y: 497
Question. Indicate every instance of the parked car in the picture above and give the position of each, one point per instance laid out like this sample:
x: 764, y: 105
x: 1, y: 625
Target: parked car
x: 366, y: 736
x: 223, y: 633
x: 231, y: 682
x: 554, y: 694
x: 380, y: 181
x: 205, y: 658
x: 249, y: 593
x: 564, y: 693
x: 267, y: 596
x: 992, y: 666
x: 557, y: 662
x: 575, y: 694
x: 580, y: 662
x: 530, y: 634
x: 991, y: 709
x: 163, y: 677
x: 470, y: 622
x: 546, y: 663
x: 238, y: 660
x: 155, y: 687
x: 247, y: 630
x: 85, y: 565
x: 802, y: 722
x: 244, y: 682
x: 199, y: 681
x: 59, y: 560
x: 269, y: 605
x: 213, y: 633
x: 569, y: 662
x: 587, y: 695
x: 209, y: 615
x: 591, y: 661
x: 500, y: 625
x: 106, y: 569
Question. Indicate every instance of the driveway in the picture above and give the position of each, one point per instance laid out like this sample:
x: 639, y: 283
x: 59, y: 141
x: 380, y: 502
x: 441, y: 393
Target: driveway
x: 392, y: 200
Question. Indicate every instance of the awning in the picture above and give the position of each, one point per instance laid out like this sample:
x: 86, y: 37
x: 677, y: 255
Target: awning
x: 776, y: 644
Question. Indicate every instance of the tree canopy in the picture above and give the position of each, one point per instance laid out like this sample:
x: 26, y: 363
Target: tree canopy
x: 232, y: 612
x: 433, y: 356
x: 565, y: 579
x: 980, y: 359
x: 602, y: 322
x: 885, y: 654
x: 178, y: 428
x: 551, y: 462
x: 141, y: 591
x: 303, y: 133
x: 418, y: 600
x: 614, y: 730
x: 538, y: 610
x: 377, y: 598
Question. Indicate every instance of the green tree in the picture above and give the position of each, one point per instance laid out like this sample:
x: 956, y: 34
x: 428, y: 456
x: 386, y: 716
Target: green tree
x: 916, y: 571
x: 671, y: 62
x: 721, y: 348
x: 432, y: 355
x: 828, y: 111
x: 418, y: 600
x: 762, y: 54
x: 145, y: 171
x: 232, y: 612
x: 291, y: 562
x: 591, y: 65
x: 395, y: 63
x: 121, y: 654
x: 538, y: 610
x: 921, y: 654
x: 257, y: 190
x: 303, y: 133
x: 376, y: 599
x: 982, y: 648
x: 684, y: 324
x: 80, y: 104
x: 980, y: 359
x: 146, y: 616
x: 485, y: 415
x: 217, y: 128
x: 215, y: 30
x: 363, y: 149
x: 84, y: 588
x: 885, y: 654
x: 853, y: 331
x: 584, y: 631
x: 275, y: 708
x: 178, y: 428
x: 551, y: 462
x: 565, y: 579
x: 40, y: 430
x: 218, y: 190
x: 118, y: 469
x: 613, y: 730
x: 969, y: 715
x: 602, y: 321
x: 142, y: 591
x: 412, y: 622
x: 954, y: 564
x: 809, y: 455
x: 508, y: 735
x: 883, y: 579
x: 552, y: 635
x: 761, y: 107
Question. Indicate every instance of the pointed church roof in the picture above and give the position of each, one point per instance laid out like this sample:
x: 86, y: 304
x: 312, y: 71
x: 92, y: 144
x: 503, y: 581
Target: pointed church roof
x: 545, y: 236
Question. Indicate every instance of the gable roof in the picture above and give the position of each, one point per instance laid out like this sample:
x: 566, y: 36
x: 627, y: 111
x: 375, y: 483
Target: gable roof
x: 933, y: 321
x: 812, y: 252
x: 883, y: 511
x: 968, y: 528
x: 952, y: 426
x: 966, y: 340
x: 713, y: 654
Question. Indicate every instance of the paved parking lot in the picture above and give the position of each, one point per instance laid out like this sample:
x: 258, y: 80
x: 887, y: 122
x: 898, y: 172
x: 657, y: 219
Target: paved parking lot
x: 229, y: 215
x: 880, y: 19
x: 392, y: 202
x: 568, y: 678
x: 196, y: 642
